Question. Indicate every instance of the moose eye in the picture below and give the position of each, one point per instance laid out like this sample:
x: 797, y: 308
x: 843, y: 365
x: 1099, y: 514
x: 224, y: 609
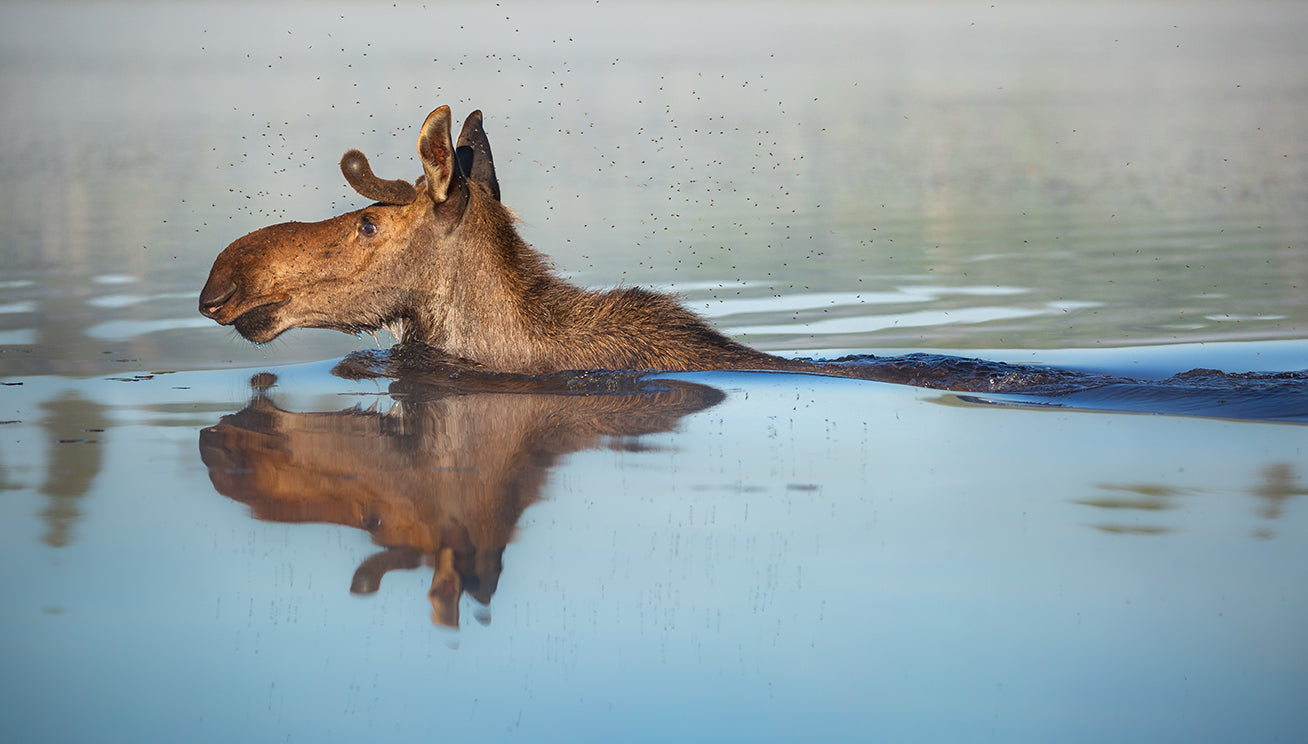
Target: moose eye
x: 367, y: 228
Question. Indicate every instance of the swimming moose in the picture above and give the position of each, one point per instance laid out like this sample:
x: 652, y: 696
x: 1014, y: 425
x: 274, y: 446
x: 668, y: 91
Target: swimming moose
x: 440, y: 264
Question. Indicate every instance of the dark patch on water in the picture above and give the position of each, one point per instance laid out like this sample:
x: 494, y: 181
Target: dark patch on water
x: 1272, y: 396
x: 1259, y: 396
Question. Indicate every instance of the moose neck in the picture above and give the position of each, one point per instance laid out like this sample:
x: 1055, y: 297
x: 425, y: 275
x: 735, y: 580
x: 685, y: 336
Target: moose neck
x: 486, y: 295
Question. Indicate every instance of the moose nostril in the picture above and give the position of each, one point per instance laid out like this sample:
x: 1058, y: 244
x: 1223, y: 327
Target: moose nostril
x: 214, y: 296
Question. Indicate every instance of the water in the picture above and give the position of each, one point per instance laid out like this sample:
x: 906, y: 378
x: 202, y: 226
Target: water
x: 703, y: 556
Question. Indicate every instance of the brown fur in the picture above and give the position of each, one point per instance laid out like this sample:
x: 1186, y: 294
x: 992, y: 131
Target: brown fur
x: 448, y: 269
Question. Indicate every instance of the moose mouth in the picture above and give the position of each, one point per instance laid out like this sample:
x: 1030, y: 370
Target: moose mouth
x: 259, y: 324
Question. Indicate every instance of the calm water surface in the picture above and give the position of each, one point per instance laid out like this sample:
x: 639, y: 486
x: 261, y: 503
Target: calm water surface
x: 721, y: 557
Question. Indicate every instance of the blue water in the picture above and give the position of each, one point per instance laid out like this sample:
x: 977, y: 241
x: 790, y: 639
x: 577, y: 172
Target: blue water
x: 809, y: 558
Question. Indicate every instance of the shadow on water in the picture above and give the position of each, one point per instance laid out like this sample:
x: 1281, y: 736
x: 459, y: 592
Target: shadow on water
x: 441, y: 478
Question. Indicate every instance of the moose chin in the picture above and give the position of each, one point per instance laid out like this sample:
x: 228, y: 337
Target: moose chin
x: 439, y: 263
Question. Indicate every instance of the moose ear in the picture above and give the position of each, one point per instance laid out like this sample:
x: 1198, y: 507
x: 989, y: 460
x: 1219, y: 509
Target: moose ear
x: 474, y: 154
x: 436, y: 150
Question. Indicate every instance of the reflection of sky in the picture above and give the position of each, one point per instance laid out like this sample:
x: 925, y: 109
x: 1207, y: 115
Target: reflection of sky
x: 807, y: 560
x: 876, y: 322
x: 128, y: 329
x: 854, y: 318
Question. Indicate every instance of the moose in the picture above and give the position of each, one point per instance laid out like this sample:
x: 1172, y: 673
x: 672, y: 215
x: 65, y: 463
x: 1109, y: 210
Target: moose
x: 440, y: 263
x: 441, y: 266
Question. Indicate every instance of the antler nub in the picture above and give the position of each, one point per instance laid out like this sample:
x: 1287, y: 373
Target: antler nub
x: 359, y: 174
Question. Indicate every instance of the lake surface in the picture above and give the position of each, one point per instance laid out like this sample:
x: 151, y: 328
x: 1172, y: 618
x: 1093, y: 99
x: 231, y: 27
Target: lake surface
x: 207, y: 541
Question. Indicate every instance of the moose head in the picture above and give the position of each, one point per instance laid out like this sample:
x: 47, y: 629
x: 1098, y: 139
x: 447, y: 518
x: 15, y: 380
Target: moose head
x: 363, y: 270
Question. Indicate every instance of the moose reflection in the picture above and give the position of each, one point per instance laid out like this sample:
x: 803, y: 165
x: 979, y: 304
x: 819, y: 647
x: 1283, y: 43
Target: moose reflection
x: 443, y: 477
